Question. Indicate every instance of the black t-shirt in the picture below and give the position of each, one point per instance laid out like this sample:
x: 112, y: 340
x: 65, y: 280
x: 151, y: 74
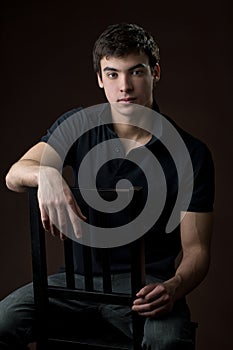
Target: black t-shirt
x: 80, y: 131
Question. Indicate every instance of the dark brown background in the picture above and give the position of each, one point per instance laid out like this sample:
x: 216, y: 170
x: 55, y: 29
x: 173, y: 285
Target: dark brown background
x: 46, y: 69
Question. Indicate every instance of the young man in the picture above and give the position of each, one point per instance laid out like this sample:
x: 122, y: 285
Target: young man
x: 126, y: 60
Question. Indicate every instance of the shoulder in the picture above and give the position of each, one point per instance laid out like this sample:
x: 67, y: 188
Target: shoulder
x: 69, y: 126
x: 197, y: 148
x: 68, y: 114
x: 88, y: 115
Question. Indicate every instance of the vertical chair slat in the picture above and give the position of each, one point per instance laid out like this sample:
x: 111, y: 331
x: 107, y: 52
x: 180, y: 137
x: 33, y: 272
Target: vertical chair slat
x: 39, y: 267
x: 69, y: 263
x: 107, y: 282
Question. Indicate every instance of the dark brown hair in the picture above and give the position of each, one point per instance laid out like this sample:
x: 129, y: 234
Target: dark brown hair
x: 120, y: 40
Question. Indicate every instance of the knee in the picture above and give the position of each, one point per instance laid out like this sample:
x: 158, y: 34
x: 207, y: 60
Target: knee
x: 16, y: 315
x: 159, y: 336
x: 155, y: 335
x: 8, y: 325
x: 8, y: 317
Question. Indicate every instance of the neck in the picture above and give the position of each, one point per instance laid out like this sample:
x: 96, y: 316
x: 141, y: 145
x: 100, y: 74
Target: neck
x: 131, y: 121
x: 130, y: 130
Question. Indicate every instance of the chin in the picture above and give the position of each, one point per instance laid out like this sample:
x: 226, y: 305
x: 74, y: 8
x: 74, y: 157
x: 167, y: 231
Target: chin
x: 124, y: 108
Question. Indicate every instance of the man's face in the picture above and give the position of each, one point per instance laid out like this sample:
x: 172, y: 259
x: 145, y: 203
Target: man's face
x: 128, y: 79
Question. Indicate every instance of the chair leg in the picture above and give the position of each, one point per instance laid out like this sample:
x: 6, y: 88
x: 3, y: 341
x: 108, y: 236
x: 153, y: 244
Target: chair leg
x: 194, y: 328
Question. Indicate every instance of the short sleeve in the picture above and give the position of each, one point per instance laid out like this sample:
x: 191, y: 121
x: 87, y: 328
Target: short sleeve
x: 202, y: 199
x: 61, y: 135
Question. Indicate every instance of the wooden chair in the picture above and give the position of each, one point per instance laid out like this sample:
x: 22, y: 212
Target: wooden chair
x: 43, y: 291
x: 109, y: 339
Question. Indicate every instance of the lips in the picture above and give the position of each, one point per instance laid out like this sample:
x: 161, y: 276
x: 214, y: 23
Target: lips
x: 126, y: 99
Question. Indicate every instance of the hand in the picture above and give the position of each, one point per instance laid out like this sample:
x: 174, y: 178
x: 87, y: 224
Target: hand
x: 155, y: 299
x: 59, y: 210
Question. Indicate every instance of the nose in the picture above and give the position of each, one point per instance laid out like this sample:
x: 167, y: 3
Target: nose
x: 126, y: 84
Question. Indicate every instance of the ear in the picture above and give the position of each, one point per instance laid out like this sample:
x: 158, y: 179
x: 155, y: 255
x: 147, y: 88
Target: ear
x: 101, y: 85
x: 157, y: 72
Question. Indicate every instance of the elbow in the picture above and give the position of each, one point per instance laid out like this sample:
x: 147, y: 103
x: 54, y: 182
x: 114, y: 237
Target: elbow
x: 8, y: 181
x: 11, y: 182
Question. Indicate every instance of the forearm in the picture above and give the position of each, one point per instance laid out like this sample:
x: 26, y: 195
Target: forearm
x: 189, y: 274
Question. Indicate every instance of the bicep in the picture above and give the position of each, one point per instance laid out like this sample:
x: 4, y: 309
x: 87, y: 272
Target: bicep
x: 196, y: 230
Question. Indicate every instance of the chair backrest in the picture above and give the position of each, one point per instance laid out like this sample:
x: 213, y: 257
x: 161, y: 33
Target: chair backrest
x: 42, y: 291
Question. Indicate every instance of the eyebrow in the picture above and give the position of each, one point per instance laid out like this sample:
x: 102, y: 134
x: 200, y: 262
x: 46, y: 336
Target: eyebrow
x: 139, y: 65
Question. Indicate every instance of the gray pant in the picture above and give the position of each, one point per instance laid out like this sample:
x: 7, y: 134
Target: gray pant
x: 18, y: 326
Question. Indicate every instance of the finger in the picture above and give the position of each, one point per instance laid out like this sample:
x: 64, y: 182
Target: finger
x: 44, y: 219
x: 55, y: 231
x: 54, y: 226
x: 76, y: 224
x: 155, y: 299
x: 163, y: 302
x: 79, y: 212
x: 76, y: 209
x: 62, y: 221
x: 145, y: 290
x: 156, y: 292
x: 154, y: 313
x: 48, y: 220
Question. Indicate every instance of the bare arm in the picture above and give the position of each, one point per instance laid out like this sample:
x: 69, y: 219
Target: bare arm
x: 57, y: 205
x: 157, y: 299
x: 196, y: 232
x: 25, y: 172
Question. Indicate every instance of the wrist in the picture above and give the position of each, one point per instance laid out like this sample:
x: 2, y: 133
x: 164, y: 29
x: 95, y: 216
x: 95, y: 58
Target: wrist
x: 173, y: 285
x: 46, y: 172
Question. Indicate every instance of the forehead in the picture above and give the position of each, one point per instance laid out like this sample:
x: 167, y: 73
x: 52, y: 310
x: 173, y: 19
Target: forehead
x: 125, y: 62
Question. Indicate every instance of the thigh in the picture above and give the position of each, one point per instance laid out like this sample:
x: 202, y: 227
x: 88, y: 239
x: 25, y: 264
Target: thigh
x: 17, y: 318
x: 67, y: 315
x: 170, y: 332
x: 119, y: 316
x: 18, y: 325
x: 173, y: 331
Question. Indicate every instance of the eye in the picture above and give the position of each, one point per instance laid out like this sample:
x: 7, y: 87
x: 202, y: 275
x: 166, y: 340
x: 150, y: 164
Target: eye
x: 137, y: 72
x: 112, y: 75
